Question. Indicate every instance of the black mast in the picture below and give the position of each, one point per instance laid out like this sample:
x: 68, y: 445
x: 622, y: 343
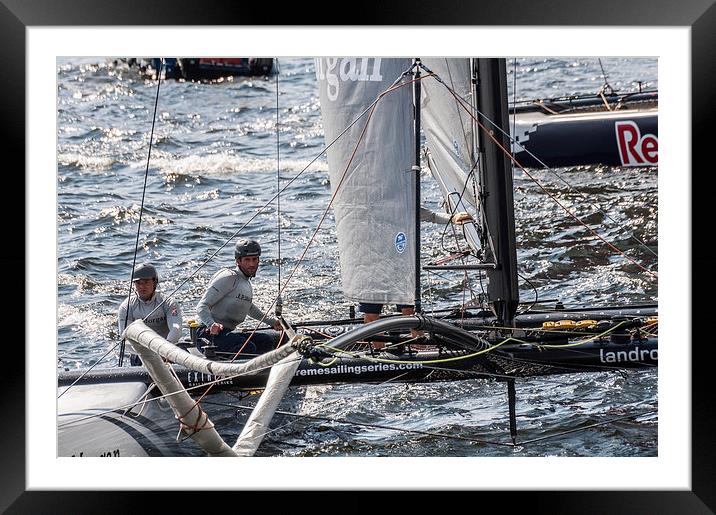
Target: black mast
x: 416, y: 169
x: 496, y: 181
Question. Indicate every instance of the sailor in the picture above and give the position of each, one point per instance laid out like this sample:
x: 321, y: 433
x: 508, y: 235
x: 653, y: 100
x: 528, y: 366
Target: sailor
x: 164, y: 317
x: 371, y: 311
x: 226, y: 303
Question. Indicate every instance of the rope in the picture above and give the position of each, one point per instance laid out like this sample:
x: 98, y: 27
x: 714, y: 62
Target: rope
x: 141, y: 211
x: 370, y: 110
x: 260, y: 210
x: 514, y: 96
x: 544, y: 166
x: 199, y: 425
x: 547, y: 192
x: 373, y: 106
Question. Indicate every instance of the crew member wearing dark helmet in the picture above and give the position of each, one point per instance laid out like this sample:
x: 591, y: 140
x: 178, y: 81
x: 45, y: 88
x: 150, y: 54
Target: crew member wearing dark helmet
x: 226, y: 303
x: 147, y: 304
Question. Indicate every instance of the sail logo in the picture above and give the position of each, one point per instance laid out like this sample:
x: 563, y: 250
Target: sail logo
x: 456, y: 146
x: 354, y: 69
x: 401, y: 242
x: 635, y: 149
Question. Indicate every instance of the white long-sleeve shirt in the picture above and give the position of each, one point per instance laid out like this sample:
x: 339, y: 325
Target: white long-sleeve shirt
x: 426, y: 215
x: 165, y: 321
x: 228, y: 299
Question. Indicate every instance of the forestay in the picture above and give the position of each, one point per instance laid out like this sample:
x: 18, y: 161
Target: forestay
x: 371, y: 175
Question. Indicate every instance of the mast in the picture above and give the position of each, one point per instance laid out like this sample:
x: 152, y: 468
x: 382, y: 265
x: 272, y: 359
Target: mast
x: 496, y: 181
x: 416, y: 169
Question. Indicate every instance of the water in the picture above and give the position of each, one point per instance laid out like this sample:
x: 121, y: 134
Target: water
x: 213, y: 166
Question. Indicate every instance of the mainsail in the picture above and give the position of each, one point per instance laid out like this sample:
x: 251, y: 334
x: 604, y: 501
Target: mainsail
x: 370, y: 168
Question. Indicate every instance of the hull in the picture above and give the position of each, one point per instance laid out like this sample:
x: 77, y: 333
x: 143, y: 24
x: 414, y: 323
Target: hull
x: 212, y: 68
x: 613, y: 130
x: 519, y: 360
x: 112, y: 420
x: 205, y: 68
x: 621, y: 138
x: 111, y: 412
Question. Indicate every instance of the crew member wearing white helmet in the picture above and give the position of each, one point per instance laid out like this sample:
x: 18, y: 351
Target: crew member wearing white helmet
x: 164, y: 317
x: 226, y: 303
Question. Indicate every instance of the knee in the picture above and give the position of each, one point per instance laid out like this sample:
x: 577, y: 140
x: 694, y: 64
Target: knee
x: 370, y: 317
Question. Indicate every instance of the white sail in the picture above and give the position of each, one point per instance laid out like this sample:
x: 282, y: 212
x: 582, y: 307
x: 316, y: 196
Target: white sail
x: 450, y: 138
x: 371, y: 175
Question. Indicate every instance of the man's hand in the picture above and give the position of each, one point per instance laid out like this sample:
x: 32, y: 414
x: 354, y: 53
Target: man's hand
x: 461, y: 218
x: 215, y: 328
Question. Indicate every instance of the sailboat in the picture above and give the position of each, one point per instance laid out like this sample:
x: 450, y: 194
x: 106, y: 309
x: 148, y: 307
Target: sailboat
x: 204, y: 68
x: 374, y: 110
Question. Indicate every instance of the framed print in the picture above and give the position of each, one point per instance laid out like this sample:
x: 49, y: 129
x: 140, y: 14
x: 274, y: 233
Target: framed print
x: 50, y: 46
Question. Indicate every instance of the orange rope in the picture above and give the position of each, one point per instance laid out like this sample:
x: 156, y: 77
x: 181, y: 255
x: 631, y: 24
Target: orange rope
x: 320, y: 223
x: 509, y: 154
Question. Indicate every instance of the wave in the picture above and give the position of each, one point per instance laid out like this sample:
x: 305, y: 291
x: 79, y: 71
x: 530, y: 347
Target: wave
x: 84, y: 162
x: 218, y: 165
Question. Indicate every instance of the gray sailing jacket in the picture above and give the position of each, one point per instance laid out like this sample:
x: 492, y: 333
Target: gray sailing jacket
x: 228, y: 299
x: 165, y: 321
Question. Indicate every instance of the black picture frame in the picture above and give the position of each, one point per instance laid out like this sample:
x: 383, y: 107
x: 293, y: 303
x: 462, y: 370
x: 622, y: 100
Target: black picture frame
x: 699, y: 15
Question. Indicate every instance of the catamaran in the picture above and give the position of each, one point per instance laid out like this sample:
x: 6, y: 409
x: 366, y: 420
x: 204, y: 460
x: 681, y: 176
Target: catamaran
x: 374, y: 110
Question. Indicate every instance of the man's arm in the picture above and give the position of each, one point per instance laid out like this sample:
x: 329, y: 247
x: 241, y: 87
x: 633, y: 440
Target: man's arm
x: 215, y: 291
x: 427, y: 215
x: 257, y: 314
x: 174, y: 320
x: 121, y: 316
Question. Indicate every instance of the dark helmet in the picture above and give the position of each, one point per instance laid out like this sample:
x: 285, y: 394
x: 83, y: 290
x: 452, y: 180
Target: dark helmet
x: 245, y: 248
x: 145, y: 271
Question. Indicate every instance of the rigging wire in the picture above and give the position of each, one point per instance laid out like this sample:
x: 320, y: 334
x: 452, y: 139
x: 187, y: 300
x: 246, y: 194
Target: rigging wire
x: 331, y: 199
x: 279, y: 301
x: 606, y: 87
x: 590, y: 426
x: 268, y: 203
x: 90, y: 368
x: 141, y: 209
x: 535, y: 290
x: 377, y: 425
x: 372, y: 426
x: 544, y: 166
x: 541, y: 186
x: 370, y: 110
x: 353, y: 423
x: 514, y: 97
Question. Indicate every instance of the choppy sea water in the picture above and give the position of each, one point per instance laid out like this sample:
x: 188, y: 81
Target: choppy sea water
x: 213, y: 165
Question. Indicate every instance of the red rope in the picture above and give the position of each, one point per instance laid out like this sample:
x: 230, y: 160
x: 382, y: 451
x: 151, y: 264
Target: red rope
x: 198, y: 426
